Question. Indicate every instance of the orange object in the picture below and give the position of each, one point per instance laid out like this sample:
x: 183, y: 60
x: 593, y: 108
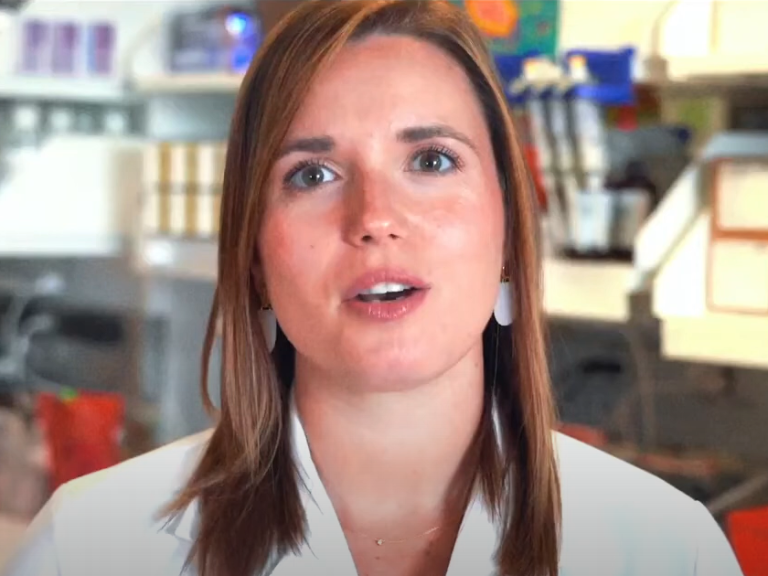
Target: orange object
x: 496, y: 18
x: 538, y: 184
x: 585, y: 434
x: 748, y: 532
x: 82, y: 433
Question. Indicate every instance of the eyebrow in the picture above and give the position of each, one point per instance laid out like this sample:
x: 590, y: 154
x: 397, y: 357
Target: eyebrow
x: 414, y: 134
x: 421, y: 133
x: 316, y: 145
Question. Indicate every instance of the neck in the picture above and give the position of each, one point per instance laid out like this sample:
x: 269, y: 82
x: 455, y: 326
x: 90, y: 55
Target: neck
x: 394, y: 462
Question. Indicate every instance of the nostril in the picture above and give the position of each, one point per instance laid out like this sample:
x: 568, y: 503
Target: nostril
x: 367, y: 238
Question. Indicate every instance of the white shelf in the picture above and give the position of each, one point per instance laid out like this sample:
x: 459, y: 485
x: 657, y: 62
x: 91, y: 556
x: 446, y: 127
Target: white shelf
x: 689, y: 330
x: 718, y: 68
x: 64, y: 89
x: 189, y: 84
x: 179, y: 258
x: 719, y: 339
x: 43, y: 246
x: 591, y: 291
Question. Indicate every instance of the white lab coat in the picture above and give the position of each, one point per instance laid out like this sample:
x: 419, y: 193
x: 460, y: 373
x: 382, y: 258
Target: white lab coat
x: 617, y: 521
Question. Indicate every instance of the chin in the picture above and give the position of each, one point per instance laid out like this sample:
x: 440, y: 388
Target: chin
x: 396, y: 367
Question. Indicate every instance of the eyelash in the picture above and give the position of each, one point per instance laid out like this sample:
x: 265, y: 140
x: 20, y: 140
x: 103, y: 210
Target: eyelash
x: 440, y: 150
x: 301, y: 166
x: 320, y: 164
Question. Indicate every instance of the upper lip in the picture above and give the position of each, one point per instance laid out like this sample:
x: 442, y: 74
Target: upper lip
x: 383, y: 275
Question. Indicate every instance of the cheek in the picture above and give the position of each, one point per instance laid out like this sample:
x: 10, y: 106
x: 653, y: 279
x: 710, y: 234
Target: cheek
x: 471, y: 227
x: 287, y: 254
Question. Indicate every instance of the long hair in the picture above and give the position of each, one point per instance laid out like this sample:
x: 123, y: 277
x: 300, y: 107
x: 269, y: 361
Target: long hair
x: 246, y: 482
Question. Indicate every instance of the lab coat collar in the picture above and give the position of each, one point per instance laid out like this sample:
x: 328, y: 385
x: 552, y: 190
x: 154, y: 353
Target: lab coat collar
x: 325, y: 550
x: 185, y: 526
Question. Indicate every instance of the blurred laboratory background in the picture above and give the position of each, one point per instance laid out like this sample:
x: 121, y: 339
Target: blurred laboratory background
x: 646, y: 131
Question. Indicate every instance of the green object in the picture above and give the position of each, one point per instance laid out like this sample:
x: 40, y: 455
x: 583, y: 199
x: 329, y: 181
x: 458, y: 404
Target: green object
x: 536, y: 31
x: 696, y: 113
x: 68, y: 395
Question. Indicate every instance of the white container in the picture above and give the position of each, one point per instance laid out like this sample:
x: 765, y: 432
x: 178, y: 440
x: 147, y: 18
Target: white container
x: 738, y: 276
x: 632, y: 208
x: 61, y: 120
x: 742, y: 196
x: 76, y: 196
x: 589, y: 128
x: 594, y: 212
x: 116, y: 122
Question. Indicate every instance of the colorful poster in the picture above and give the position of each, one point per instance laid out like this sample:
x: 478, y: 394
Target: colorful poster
x: 516, y: 26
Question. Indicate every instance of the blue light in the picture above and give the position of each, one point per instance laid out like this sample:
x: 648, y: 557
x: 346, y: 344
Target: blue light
x: 237, y: 24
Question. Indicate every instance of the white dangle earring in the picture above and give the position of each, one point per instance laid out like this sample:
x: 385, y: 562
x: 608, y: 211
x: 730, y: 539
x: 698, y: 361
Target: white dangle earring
x: 503, y: 311
x: 268, y: 325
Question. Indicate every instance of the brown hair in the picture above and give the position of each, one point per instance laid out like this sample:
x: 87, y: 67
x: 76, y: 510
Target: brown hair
x: 247, y: 483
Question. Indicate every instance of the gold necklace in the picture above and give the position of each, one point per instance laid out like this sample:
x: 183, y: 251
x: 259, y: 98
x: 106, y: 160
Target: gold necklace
x: 382, y: 541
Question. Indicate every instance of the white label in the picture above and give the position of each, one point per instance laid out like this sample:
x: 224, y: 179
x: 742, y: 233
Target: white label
x: 740, y: 275
x: 743, y: 196
x: 178, y: 211
x: 593, y: 155
x: 179, y: 164
x: 207, y: 164
x: 152, y: 212
x: 151, y: 165
x: 205, y: 212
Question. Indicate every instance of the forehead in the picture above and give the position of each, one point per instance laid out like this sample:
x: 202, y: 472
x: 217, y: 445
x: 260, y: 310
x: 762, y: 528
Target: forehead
x: 396, y: 80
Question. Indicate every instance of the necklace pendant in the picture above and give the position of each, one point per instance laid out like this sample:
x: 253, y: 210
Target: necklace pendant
x: 379, y: 542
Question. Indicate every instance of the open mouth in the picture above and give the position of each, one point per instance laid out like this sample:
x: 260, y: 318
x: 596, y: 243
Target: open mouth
x: 386, y: 292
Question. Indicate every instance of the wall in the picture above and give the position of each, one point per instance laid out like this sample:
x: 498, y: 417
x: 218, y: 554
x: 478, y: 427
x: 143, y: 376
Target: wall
x: 608, y: 24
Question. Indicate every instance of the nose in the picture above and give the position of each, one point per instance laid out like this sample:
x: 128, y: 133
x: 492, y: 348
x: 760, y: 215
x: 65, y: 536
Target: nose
x: 373, y: 213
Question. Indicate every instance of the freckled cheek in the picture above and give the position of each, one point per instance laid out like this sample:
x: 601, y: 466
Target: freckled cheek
x: 290, y: 254
x: 467, y: 230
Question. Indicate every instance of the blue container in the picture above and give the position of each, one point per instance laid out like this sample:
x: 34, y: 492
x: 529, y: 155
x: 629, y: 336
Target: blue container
x: 510, y: 69
x: 611, y: 72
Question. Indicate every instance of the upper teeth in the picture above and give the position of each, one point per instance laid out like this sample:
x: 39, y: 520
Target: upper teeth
x: 386, y: 287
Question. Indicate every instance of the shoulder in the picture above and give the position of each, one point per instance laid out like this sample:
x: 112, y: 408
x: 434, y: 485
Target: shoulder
x: 137, y: 486
x: 594, y: 475
x: 619, y: 519
x: 111, y: 518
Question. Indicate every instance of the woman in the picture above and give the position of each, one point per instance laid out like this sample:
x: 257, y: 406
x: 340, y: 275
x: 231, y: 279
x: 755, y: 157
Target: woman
x: 377, y: 205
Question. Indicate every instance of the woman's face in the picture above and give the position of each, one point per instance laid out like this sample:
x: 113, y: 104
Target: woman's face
x: 382, y: 240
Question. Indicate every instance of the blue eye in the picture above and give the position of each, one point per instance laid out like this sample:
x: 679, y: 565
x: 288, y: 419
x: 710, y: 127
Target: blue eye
x: 437, y: 161
x: 310, y: 175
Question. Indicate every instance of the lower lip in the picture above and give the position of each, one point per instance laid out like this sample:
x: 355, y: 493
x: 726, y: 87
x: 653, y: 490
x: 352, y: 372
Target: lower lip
x: 387, y: 311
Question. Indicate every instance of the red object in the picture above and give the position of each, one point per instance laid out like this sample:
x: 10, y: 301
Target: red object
x: 585, y: 434
x: 626, y: 117
x: 748, y: 532
x: 82, y: 433
x: 533, y: 165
